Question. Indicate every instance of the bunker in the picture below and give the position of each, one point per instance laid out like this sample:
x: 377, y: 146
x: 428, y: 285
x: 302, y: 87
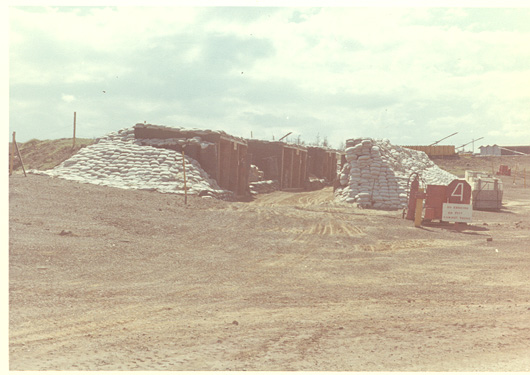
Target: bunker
x: 222, y: 156
x: 286, y: 163
x: 322, y: 163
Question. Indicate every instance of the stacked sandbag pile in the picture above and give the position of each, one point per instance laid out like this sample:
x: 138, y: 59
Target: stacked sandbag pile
x: 316, y: 183
x: 255, y: 174
x: 259, y: 186
x: 263, y: 187
x: 376, y: 173
x: 119, y: 160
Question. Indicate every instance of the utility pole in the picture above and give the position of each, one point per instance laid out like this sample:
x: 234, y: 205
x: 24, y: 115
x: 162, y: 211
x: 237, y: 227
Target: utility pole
x: 19, y: 156
x: 13, y: 149
x: 12, y: 159
x: 472, y: 141
x: 73, y: 145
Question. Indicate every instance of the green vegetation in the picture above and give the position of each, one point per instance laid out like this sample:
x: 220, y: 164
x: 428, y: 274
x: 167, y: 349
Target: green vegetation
x: 47, y: 154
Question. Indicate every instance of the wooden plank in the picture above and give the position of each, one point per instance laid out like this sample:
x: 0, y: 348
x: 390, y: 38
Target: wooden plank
x: 326, y: 164
x: 232, y: 140
x: 329, y: 163
x: 239, y: 175
x: 220, y: 155
x: 20, y: 157
x: 334, y: 166
x: 228, y: 161
x: 233, y: 168
x: 218, y: 171
x: 303, y: 168
x: 225, y: 156
x: 291, y: 169
x: 295, y: 162
x: 300, y: 162
x: 244, y: 167
x: 282, y: 168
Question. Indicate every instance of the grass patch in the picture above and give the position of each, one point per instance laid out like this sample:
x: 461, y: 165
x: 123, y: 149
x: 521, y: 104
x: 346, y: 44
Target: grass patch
x: 47, y: 154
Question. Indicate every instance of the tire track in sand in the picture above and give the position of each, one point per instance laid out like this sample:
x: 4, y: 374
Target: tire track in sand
x: 329, y: 228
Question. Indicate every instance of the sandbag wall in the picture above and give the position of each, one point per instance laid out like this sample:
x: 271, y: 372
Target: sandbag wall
x: 119, y: 160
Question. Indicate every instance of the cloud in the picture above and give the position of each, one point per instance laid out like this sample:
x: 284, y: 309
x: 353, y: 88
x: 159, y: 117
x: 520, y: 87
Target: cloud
x: 68, y: 98
x: 239, y: 15
x: 407, y: 74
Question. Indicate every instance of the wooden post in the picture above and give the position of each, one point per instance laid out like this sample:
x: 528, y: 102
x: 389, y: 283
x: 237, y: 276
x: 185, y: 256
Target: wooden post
x: 20, y: 157
x: 73, y: 145
x: 419, y: 210
x: 514, y: 174
x: 185, y: 182
x: 12, y: 160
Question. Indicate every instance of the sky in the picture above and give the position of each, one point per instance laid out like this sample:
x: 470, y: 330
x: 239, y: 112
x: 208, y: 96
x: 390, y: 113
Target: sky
x: 410, y: 74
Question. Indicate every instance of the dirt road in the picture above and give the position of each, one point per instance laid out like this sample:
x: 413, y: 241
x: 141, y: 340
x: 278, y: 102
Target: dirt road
x: 109, y: 279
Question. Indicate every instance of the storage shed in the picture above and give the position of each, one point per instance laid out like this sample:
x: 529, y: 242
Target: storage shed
x: 488, y: 150
x: 286, y: 163
x: 322, y: 163
x: 222, y: 156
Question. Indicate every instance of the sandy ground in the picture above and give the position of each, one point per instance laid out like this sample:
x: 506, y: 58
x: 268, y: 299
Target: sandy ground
x: 109, y: 279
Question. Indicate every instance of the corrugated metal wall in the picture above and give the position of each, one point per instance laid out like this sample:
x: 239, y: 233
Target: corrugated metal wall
x: 435, y: 151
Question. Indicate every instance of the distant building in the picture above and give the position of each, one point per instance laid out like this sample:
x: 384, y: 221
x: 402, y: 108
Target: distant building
x: 497, y: 150
x: 488, y: 150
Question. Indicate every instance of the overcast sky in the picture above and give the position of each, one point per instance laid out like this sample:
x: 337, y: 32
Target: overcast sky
x: 410, y: 74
